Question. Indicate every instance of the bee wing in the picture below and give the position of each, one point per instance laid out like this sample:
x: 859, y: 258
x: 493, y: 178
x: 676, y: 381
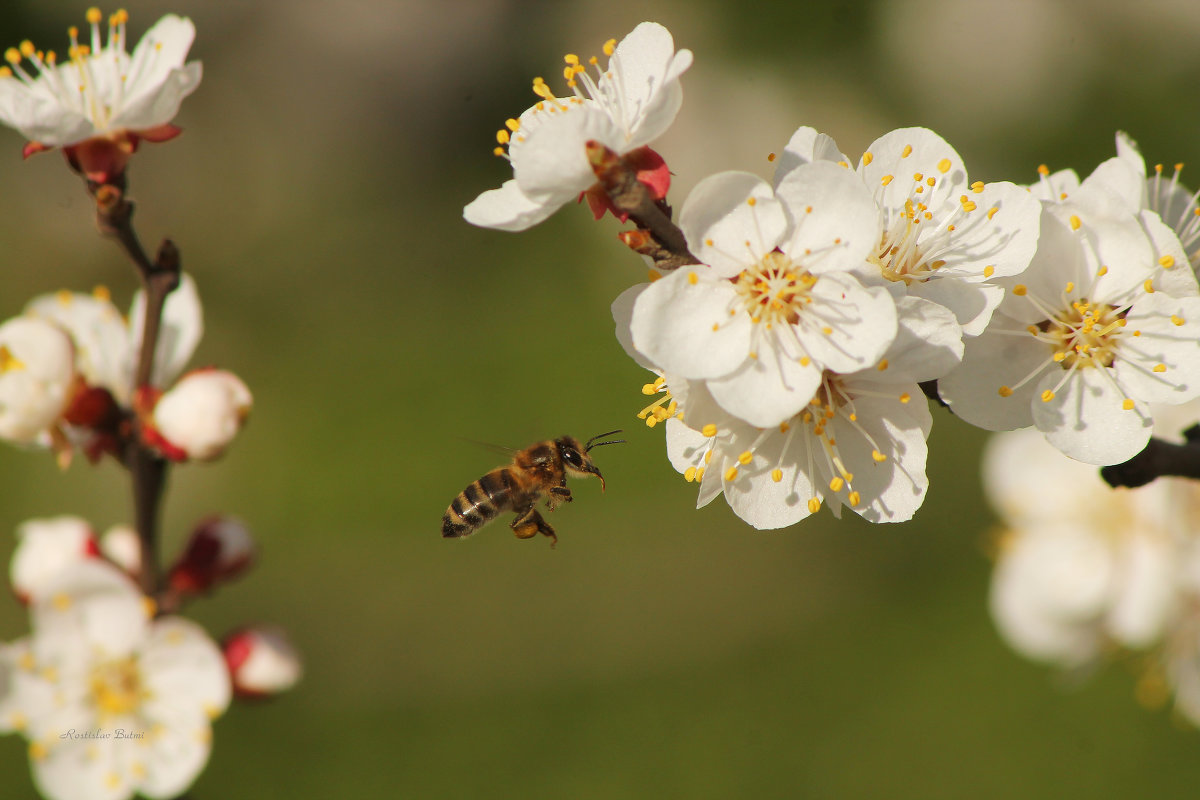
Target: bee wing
x: 507, y: 452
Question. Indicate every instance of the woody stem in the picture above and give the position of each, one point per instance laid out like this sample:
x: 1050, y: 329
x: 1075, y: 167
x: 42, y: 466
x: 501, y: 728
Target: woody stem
x: 114, y: 216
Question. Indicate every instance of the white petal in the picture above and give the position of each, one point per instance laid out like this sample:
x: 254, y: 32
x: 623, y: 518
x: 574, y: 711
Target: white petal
x: 763, y: 502
x: 1147, y: 593
x: 507, y: 209
x: 622, y: 312
x: 892, y: 490
x: 904, y: 153
x: 1121, y: 179
x: 1161, y: 342
x: 648, y: 70
x: 1178, y: 279
x: 928, y: 344
x: 971, y: 304
x: 861, y: 320
x: 806, y: 146
x: 551, y: 164
x: 833, y: 217
x: 767, y: 390
x: 1086, y: 420
x: 88, y: 608
x: 1001, y: 233
x: 159, y: 106
x: 739, y: 214
x: 181, y: 329
x: 990, y: 361
x: 179, y: 661
x: 686, y: 328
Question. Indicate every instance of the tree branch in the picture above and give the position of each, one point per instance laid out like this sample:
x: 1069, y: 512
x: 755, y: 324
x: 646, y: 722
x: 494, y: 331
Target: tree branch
x: 1159, y: 459
x: 114, y: 216
x: 664, y: 242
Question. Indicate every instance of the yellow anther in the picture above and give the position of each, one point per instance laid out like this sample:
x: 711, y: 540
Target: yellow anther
x: 731, y: 475
x: 814, y: 505
x: 1176, y: 320
x: 977, y: 187
x: 610, y: 46
x: 805, y: 361
x: 12, y: 55
x: 709, y: 430
x: 970, y: 206
x: 1166, y: 262
x: 699, y: 474
x: 1100, y: 273
x: 907, y: 151
x: 905, y: 397
x: 1149, y: 286
x: 498, y: 151
x: 654, y: 275
x: 1127, y: 404
x: 836, y: 484
x: 693, y: 278
x: 502, y: 136
x: 752, y: 201
x: 883, y: 364
x: 6, y: 71
x: 886, y: 179
x: 770, y: 157
x: 746, y: 457
x: 9, y: 362
x: 854, y: 498
x: 989, y: 271
x: 784, y: 427
x: 1047, y: 396
x: 571, y: 59
x: 931, y: 181
x: 992, y: 211
x: 1075, y: 222
x: 1070, y: 287
x: 1043, y: 169
x: 944, y: 166
x: 1160, y: 368
x: 918, y: 177
x: 777, y: 475
x: 878, y: 457
x: 27, y: 49
x: 689, y: 474
x: 38, y: 751
x: 93, y: 15
x: 1059, y: 356
x: 649, y: 388
x: 1005, y: 391
x: 1020, y: 290
x: 61, y: 601
x: 867, y: 158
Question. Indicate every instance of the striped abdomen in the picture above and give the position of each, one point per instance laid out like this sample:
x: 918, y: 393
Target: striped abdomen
x: 479, y: 503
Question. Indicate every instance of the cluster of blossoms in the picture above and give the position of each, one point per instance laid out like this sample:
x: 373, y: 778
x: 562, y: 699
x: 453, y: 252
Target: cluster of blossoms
x: 113, y: 696
x: 115, y: 691
x: 796, y: 324
x: 1085, y: 573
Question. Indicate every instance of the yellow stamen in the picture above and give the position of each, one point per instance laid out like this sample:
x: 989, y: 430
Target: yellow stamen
x: 709, y: 430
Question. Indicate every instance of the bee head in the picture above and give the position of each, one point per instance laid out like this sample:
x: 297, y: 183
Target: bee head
x: 575, y: 458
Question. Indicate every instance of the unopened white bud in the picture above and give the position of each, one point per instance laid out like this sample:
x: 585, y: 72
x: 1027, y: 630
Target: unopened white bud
x: 120, y: 545
x: 262, y: 661
x: 202, y: 413
x: 45, y: 547
x: 37, y: 376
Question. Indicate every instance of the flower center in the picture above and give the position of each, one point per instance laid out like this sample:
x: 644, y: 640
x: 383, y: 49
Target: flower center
x: 116, y: 686
x: 1085, y: 334
x: 899, y: 257
x: 775, y: 290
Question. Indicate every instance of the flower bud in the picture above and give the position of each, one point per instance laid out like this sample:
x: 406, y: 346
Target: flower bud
x: 37, y: 377
x: 121, y: 546
x: 262, y: 662
x: 219, y: 550
x: 201, y: 414
x: 45, y: 547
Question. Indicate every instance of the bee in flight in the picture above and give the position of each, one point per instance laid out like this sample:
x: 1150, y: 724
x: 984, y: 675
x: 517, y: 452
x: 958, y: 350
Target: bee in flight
x: 538, y: 471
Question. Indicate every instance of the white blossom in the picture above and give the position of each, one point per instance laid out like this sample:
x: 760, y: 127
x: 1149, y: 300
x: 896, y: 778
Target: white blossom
x: 101, y: 101
x: 940, y: 238
x: 775, y: 302
x: 860, y: 442
x: 624, y: 106
x: 1105, y: 320
x: 45, y: 547
x: 112, y: 701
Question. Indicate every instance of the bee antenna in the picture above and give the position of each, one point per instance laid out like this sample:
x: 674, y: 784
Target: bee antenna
x: 593, y: 443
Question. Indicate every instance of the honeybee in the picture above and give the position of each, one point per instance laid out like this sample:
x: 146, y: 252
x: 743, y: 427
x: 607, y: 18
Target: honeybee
x: 538, y: 471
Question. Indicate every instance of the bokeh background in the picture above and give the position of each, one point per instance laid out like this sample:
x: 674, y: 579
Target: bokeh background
x: 660, y: 651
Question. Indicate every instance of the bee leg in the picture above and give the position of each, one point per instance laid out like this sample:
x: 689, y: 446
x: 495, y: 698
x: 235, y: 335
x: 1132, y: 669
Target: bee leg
x: 558, y: 495
x: 530, y: 524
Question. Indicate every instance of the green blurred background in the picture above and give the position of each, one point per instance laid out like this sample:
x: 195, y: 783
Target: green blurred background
x: 659, y: 652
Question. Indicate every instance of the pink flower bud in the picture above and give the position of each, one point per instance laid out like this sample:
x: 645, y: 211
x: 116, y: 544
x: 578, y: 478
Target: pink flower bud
x: 45, y: 548
x: 201, y: 414
x: 262, y: 662
x: 219, y: 550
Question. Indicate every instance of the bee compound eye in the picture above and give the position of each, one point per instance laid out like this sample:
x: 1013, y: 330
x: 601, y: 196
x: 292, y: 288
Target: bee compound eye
x: 573, y: 458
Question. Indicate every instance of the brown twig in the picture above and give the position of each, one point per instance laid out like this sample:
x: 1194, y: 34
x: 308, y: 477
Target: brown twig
x: 114, y: 216
x: 666, y: 244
